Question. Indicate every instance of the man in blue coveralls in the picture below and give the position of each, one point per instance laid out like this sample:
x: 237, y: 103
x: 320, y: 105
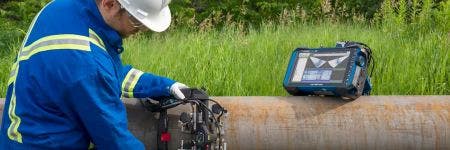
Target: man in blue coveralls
x: 65, y: 86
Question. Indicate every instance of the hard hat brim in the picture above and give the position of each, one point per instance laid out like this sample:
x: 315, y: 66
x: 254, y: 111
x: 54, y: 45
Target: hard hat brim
x: 158, y: 22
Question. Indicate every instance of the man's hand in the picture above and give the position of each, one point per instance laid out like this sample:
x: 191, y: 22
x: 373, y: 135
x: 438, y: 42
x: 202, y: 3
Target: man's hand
x: 175, y: 90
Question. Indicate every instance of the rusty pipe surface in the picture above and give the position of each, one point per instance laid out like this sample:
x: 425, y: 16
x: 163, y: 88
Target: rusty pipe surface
x: 375, y: 122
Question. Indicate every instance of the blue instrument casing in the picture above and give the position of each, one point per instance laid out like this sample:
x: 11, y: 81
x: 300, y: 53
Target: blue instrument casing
x: 341, y: 71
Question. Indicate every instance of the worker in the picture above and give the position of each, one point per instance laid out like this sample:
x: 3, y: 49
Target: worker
x: 65, y: 86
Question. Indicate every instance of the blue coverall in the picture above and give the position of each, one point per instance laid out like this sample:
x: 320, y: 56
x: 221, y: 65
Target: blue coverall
x: 65, y: 87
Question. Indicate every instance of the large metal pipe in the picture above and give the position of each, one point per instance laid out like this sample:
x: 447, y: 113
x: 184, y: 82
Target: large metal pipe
x: 375, y: 122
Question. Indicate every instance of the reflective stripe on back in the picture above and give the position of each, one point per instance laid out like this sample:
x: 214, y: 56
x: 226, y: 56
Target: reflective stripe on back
x: 48, y: 43
x: 13, y: 132
x: 95, y: 39
x: 12, y: 75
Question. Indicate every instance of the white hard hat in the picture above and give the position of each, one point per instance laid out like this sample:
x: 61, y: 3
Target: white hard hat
x: 154, y: 14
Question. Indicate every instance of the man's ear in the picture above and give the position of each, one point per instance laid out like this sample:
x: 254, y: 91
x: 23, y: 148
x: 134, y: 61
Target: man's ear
x: 108, y: 4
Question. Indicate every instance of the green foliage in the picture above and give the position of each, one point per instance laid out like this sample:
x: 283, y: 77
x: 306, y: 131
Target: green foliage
x: 206, y: 13
x: 366, y: 8
x: 8, y: 34
x: 443, y: 16
x: 412, y: 17
x: 219, y: 13
x: 6, y: 62
x: 21, y: 12
x: 15, y: 17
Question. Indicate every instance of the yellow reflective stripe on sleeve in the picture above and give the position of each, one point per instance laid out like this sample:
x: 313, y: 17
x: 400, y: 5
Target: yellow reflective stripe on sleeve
x: 127, y: 94
x: 130, y: 82
x: 94, y: 38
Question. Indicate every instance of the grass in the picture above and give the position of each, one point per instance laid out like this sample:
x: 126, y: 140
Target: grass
x: 229, y: 62
x: 6, y: 61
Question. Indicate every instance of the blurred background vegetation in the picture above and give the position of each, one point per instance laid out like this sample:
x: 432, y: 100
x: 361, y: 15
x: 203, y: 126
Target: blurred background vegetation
x: 427, y: 15
x: 409, y: 20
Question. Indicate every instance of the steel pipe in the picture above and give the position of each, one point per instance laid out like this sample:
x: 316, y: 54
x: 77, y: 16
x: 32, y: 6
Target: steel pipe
x: 375, y: 122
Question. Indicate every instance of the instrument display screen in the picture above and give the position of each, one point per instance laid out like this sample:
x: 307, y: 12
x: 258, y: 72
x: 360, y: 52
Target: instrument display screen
x: 321, y: 67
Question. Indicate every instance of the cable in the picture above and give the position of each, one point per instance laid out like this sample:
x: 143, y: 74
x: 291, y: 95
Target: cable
x: 195, y: 102
x: 206, y: 107
x: 216, y: 123
x: 370, y: 56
